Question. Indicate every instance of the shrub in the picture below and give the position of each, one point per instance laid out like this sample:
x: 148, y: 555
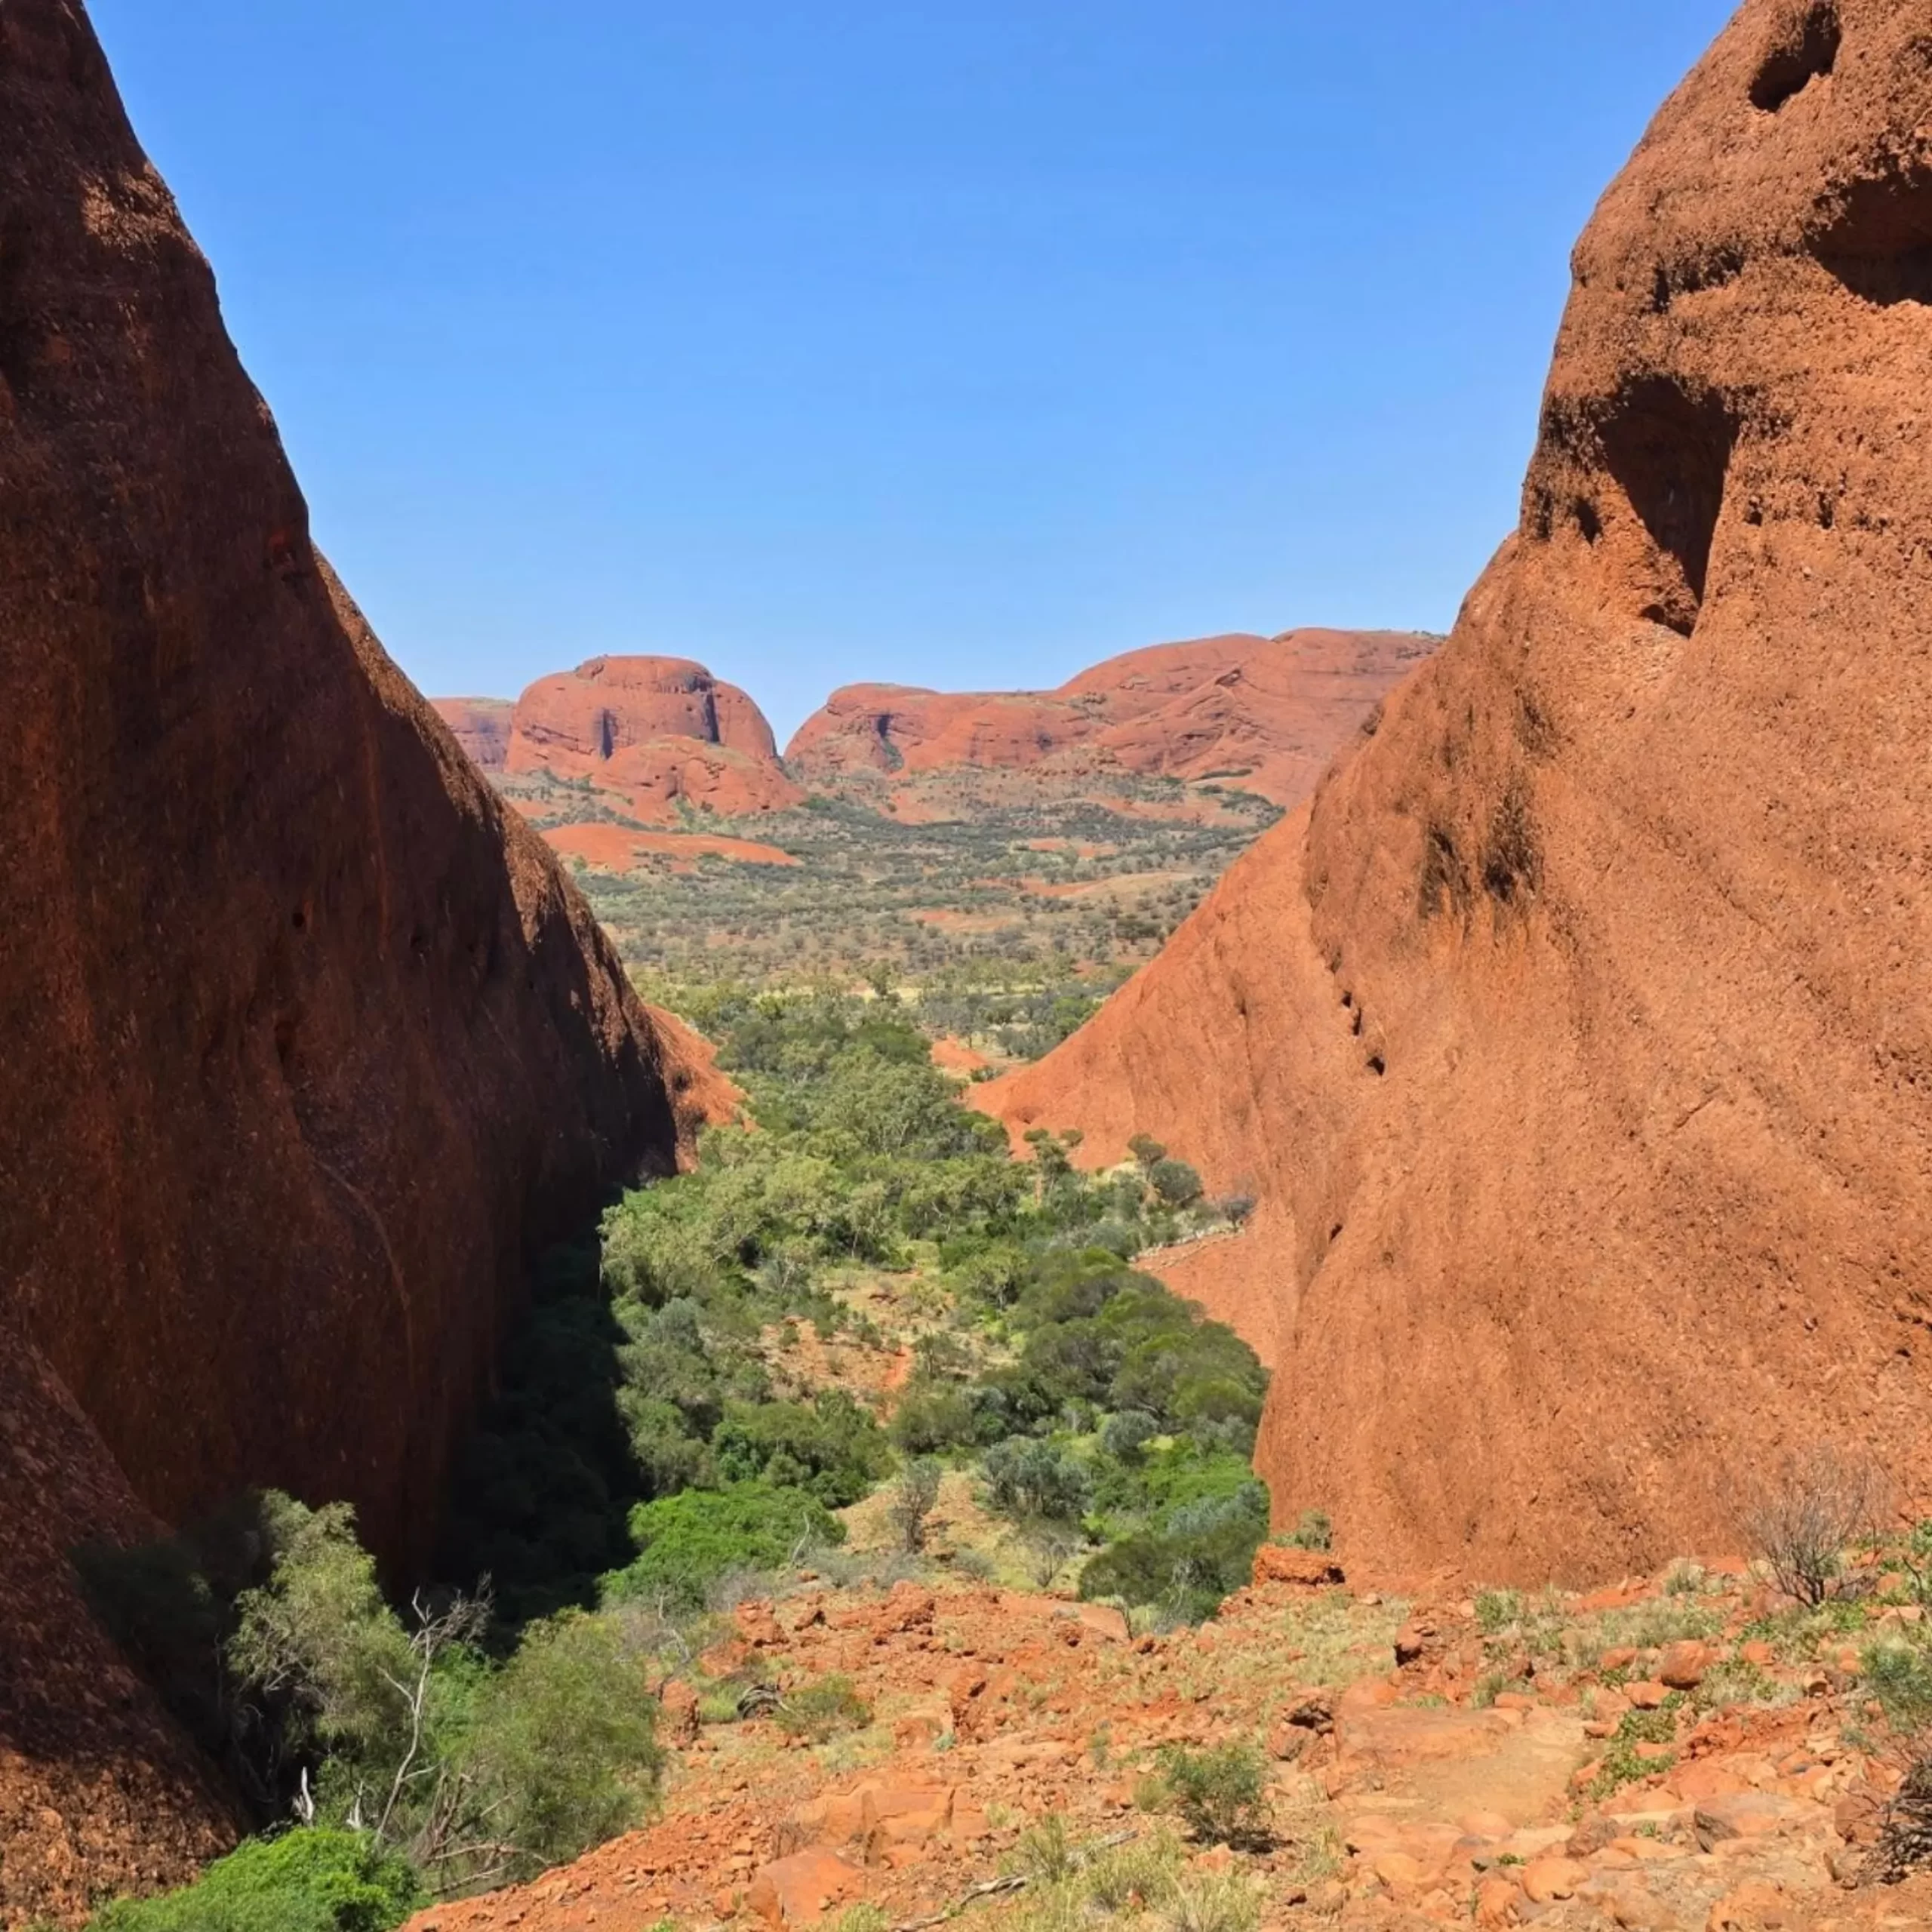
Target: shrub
x: 304, y: 1882
x: 914, y: 1497
x: 1128, y: 1876
x: 1905, y: 1838
x: 1497, y: 1609
x: 1316, y: 1530
x: 1048, y: 1547
x: 1213, y: 1902
x: 1900, y: 1675
x: 1044, y: 1854
x: 931, y: 1420
x: 834, y: 1449
x: 1220, y: 1794
x: 1124, y: 1435
x: 319, y: 1643
x: 1203, y: 1552
x: 686, y: 1543
x: 1802, y: 1524
x: 1030, y: 1478
x: 823, y: 1710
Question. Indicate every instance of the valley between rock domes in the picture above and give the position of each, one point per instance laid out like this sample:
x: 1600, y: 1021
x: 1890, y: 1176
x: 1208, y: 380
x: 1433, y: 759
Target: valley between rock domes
x: 468, y: 1432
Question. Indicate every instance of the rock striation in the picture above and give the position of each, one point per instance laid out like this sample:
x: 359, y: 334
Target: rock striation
x: 1575, y: 1035
x: 309, y: 1043
x: 1265, y: 713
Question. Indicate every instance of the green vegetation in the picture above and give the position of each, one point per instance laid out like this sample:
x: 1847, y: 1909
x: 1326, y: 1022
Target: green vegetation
x: 1220, y: 1794
x: 687, y: 1542
x: 1622, y: 1762
x: 1012, y: 914
x: 661, y: 1445
x: 305, y: 1881
x: 823, y: 1710
x: 650, y: 1447
x: 429, y: 1766
x: 1315, y: 1531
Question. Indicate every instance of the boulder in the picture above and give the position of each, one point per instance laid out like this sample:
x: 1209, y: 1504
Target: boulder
x: 1300, y: 1569
x: 801, y: 1889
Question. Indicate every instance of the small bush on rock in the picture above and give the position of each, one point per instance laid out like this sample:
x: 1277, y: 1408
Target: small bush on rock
x: 1803, y: 1523
x: 1220, y: 1794
x: 823, y: 1710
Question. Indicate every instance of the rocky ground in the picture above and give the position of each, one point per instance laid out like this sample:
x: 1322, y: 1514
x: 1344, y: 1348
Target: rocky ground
x: 1677, y: 1753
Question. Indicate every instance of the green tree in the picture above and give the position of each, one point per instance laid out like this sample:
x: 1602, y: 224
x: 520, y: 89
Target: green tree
x: 563, y: 1752
x: 1029, y: 1479
x: 1176, y: 1183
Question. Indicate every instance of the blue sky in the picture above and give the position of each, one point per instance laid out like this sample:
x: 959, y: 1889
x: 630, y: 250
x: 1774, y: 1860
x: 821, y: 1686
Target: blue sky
x: 959, y: 344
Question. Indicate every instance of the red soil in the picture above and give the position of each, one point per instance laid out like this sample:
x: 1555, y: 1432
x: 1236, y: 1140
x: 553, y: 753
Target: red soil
x: 1575, y: 1034
x: 620, y: 848
x: 1444, y: 1801
x: 955, y: 1056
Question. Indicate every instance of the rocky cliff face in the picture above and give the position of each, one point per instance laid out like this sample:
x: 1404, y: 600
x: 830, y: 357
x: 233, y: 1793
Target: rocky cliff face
x: 309, y: 1042
x: 1577, y: 1036
x: 660, y: 730
x: 481, y: 726
x: 1265, y: 713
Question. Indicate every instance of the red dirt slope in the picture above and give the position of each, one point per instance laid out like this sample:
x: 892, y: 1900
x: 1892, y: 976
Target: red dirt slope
x: 310, y: 1043
x: 1576, y: 1035
x: 661, y: 731
x: 1407, y: 1790
x: 1265, y: 713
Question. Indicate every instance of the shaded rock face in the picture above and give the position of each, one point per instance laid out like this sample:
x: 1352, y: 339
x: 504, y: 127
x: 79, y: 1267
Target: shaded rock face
x: 481, y: 726
x: 1264, y: 712
x: 308, y: 1043
x: 1576, y: 1036
x: 661, y: 731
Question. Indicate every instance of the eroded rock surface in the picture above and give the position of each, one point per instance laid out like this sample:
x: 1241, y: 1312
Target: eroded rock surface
x: 309, y: 1044
x: 1575, y: 1036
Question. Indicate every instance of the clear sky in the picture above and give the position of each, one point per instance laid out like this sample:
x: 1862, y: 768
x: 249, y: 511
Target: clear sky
x: 950, y: 342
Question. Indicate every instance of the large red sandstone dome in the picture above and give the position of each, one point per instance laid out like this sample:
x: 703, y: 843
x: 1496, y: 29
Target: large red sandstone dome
x: 661, y: 730
x: 1263, y: 712
x: 1577, y: 1037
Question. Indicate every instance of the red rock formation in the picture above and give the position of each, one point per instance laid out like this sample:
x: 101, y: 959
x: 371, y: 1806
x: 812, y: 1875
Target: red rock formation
x: 1577, y: 1036
x: 1266, y: 713
x: 661, y: 730
x: 658, y: 776
x: 482, y: 725
x: 309, y: 1041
